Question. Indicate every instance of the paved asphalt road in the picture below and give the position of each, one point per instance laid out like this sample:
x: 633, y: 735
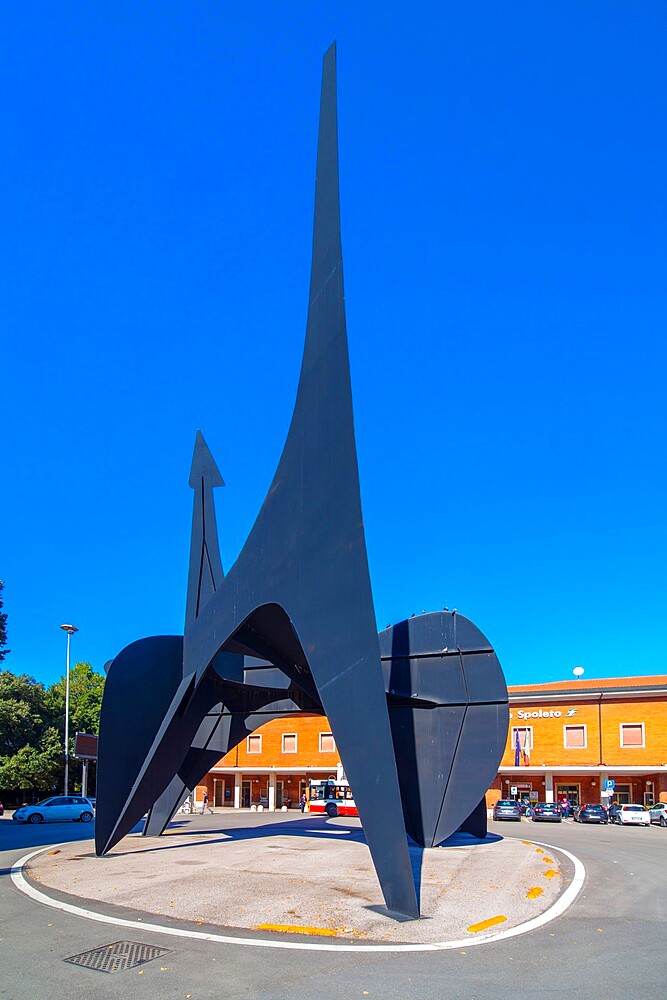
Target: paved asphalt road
x: 611, y: 943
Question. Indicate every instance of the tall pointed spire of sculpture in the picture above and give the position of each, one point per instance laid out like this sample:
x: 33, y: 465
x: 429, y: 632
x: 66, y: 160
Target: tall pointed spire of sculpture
x: 206, y: 573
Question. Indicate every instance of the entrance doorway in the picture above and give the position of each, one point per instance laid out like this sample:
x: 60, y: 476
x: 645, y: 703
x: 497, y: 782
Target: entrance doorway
x: 218, y: 791
x: 622, y: 794
x: 569, y: 792
x: 520, y: 790
x: 279, y: 794
x: 245, y: 794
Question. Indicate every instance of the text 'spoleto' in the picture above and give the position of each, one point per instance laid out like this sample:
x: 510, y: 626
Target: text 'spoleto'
x: 419, y: 715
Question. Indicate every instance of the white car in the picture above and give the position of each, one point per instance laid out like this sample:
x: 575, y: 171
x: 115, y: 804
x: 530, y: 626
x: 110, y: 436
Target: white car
x: 634, y: 815
x: 57, y: 809
x: 658, y: 813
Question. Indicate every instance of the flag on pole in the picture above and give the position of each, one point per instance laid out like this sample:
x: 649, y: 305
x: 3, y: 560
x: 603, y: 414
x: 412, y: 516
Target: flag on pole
x: 526, y: 747
x: 517, y: 749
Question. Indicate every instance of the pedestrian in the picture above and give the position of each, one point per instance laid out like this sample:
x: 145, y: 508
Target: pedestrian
x: 566, y: 808
x: 205, y: 804
x: 302, y: 801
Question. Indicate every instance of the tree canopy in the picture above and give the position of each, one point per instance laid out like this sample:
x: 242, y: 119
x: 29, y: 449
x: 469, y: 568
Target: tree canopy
x: 32, y: 724
x: 85, y: 699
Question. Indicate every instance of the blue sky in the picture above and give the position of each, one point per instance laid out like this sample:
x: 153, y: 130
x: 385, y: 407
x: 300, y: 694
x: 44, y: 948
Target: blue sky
x: 505, y: 238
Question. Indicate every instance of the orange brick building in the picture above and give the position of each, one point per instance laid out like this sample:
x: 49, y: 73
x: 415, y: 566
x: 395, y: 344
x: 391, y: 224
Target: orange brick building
x: 274, y: 765
x: 574, y: 737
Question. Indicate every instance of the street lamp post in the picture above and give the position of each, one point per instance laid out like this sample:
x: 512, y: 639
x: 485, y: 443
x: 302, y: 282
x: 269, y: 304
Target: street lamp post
x: 70, y: 629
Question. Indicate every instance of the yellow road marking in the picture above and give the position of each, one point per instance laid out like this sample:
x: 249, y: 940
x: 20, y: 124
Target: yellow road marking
x: 482, y: 926
x: 548, y: 861
x: 534, y: 892
x: 295, y: 929
x: 551, y: 873
x: 539, y: 850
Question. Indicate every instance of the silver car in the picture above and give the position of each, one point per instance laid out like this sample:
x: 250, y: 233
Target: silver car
x: 57, y: 809
x: 507, y: 809
x: 658, y: 813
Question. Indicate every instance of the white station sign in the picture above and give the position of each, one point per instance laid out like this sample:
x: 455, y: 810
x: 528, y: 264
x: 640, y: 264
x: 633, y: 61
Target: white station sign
x: 539, y: 713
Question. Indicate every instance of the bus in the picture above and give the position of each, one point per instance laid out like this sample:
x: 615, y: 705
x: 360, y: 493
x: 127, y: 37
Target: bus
x: 332, y: 797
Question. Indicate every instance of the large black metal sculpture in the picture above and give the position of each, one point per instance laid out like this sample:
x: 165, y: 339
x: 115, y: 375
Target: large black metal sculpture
x: 419, y: 717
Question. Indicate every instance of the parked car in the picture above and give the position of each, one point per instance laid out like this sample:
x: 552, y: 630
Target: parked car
x: 633, y: 815
x: 591, y: 812
x: 658, y: 813
x: 57, y: 809
x: 547, y: 812
x: 507, y: 809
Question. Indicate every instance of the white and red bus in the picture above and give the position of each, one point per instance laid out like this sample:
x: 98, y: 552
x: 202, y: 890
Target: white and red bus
x: 334, y: 798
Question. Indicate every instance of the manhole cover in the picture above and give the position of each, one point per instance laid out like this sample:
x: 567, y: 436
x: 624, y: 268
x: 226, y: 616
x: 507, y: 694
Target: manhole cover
x: 117, y: 957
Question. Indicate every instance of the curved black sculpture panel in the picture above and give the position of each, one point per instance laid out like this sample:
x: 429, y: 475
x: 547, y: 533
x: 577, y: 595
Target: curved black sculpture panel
x: 449, y: 714
x: 292, y: 627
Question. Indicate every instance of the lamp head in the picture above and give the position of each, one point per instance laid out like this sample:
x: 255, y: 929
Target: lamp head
x: 69, y: 629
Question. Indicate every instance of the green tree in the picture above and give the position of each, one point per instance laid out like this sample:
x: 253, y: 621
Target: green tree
x: 39, y: 767
x: 32, y: 723
x: 23, y: 712
x: 85, y: 699
x: 3, y: 627
x: 85, y: 702
x: 31, y: 754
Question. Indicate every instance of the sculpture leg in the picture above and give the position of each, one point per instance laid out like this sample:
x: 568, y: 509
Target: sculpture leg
x: 162, y: 811
x: 210, y: 744
x: 353, y: 708
x: 476, y: 823
x: 139, y: 787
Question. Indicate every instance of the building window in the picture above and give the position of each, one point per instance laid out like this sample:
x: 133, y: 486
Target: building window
x: 254, y: 744
x: 327, y: 744
x: 632, y: 734
x: 289, y: 742
x: 574, y: 737
x: 526, y: 742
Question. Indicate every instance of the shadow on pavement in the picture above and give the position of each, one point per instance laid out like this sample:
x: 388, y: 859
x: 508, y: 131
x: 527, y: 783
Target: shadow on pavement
x: 25, y: 836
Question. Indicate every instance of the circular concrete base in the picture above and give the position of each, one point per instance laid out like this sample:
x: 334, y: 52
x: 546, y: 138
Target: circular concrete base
x: 314, y: 879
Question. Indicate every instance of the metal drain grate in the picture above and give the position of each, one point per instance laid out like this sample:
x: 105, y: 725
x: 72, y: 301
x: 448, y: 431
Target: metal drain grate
x: 117, y: 957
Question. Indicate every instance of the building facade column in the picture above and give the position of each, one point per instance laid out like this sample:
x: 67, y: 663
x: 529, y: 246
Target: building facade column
x: 604, y: 799
x: 549, y: 787
x: 237, y: 789
x: 272, y: 791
